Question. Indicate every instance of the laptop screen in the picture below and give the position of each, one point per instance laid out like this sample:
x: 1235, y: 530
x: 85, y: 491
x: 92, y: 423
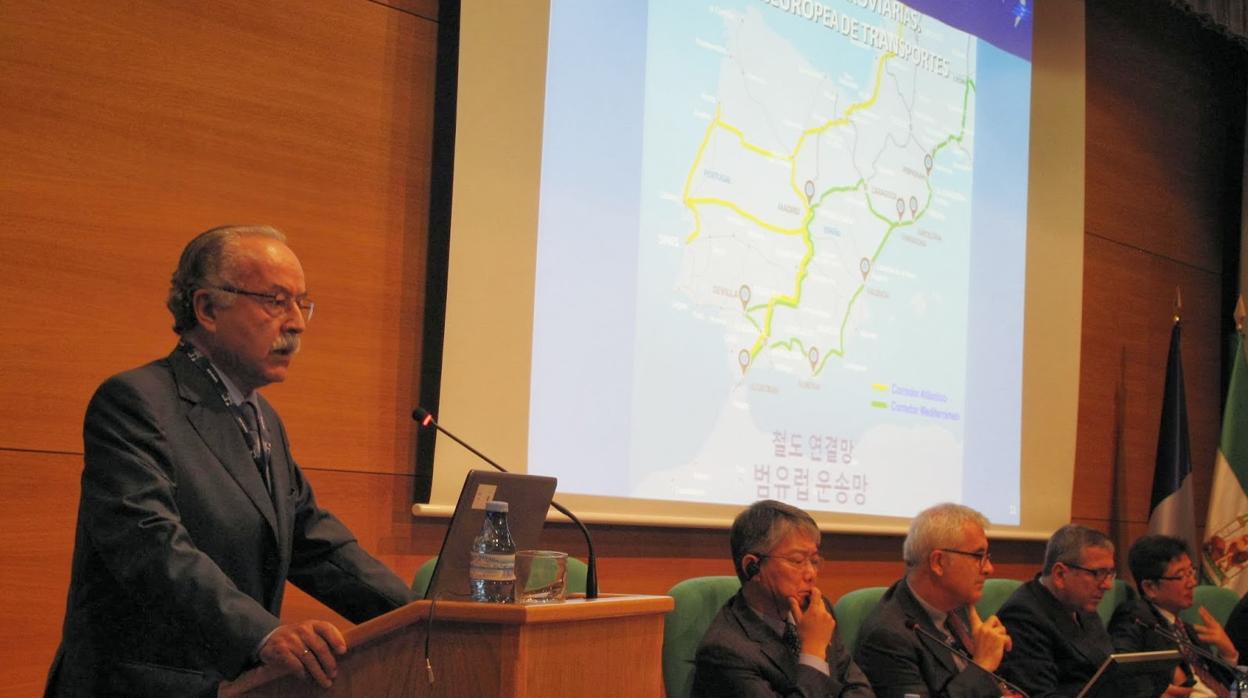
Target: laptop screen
x: 1119, y: 672
x: 528, y: 499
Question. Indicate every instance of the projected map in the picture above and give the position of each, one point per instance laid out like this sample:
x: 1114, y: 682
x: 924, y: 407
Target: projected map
x: 820, y: 229
x: 781, y: 250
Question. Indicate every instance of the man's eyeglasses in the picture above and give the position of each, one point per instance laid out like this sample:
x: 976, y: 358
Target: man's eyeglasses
x: 1183, y: 574
x: 275, y: 304
x: 1100, y: 575
x: 982, y: 557
x: 798, y: 561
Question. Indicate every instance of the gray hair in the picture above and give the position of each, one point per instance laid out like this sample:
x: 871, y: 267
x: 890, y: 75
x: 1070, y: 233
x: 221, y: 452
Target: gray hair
x: 938, y: 526
x: 206, y: 261
x: 760, y: 528
x: 1068, y: 543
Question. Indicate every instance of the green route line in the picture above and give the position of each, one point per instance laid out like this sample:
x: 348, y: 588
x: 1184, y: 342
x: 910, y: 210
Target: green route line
x: 753, y: 322
x: 718, y: 123
x: 892, y: 226
x: 788, y: 344
x: 803, y: 228
x: 791, y: 301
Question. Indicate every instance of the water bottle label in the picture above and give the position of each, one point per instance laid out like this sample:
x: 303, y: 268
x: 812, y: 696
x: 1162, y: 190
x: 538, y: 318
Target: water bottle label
x: 493, y: 568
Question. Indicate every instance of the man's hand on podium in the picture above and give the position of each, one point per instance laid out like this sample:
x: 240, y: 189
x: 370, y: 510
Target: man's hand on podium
x: 306, y: 649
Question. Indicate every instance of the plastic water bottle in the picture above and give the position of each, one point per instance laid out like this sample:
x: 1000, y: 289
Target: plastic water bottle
x: 492, y: 572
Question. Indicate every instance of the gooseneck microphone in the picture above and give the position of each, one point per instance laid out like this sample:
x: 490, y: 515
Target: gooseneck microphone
x: 424, y: 419
x: 911, y: 624
x: 1182, y: 640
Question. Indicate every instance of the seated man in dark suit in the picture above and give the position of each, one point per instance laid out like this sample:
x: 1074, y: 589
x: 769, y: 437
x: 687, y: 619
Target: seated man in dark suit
x: 1059, y: 640
x: 193, y: 513
x: 1165, y: 578
x: 946, y: 555
x: 777, y: 636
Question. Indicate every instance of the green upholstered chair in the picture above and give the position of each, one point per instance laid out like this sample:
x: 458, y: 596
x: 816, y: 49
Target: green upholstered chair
x: 996, y: 591
x: 851, y: 609
x: 420, y: 584
x: 1218, y: 600
x: 576, y: 576
x: 697, y: 601
x: 1117, y: 594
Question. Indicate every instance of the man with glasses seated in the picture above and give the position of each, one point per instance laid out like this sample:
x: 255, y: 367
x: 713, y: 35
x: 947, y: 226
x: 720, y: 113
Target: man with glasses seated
x: 899, y: 644
x: 777, y: 636
x: 1059, y: 640
x: 1165, y: 577
x: 193, y: 513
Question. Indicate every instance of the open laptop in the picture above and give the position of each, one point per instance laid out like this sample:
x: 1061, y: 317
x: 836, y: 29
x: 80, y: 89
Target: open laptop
x: 1119, y: 668
x: 528, y: 499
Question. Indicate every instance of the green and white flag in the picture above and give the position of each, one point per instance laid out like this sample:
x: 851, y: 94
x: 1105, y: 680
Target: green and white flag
x: 1225, y: 548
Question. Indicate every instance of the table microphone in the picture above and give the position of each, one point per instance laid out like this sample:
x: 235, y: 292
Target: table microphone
x: 1181, y: 640
x: 911, y: 624
x: 424, y: 419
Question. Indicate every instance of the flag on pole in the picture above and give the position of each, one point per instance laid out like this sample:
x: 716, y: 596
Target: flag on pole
x: 1172, y: 510
x: 1225, y: 550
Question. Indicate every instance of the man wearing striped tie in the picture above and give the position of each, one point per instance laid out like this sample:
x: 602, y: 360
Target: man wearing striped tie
x: 904, y: 644
x: 1164, y: 576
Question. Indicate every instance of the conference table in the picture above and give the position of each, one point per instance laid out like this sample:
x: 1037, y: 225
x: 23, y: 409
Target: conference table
x: 610, y: 646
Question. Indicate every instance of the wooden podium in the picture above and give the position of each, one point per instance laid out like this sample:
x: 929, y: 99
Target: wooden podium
x: 611, y: 646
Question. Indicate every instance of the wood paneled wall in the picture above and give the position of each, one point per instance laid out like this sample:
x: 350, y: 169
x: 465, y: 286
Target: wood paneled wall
x: 127, y: 128
x: 1165, y: 122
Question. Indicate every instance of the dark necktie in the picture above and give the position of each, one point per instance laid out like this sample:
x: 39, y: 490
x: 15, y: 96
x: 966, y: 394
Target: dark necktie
x: 1197, y: 663
x: 960, y: 632
x: 962, y: 636
x: 956, y: 630
x: 791, y: 639
x: 255, y: 442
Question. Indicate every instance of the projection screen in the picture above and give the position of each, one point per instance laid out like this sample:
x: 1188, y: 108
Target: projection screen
x: 830, y: 253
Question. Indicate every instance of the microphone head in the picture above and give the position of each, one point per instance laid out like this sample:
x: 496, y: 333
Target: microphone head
x: 422, y: 415
x: 911, y: 624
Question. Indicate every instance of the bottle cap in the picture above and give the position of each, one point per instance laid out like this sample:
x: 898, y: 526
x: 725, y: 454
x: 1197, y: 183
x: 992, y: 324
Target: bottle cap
x: 495, y: 505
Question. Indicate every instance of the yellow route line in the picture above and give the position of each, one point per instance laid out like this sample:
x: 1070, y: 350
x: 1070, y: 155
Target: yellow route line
x: 692, y: 203
x: 711, y: 201
x: 684, y: 195
x: 748, y: 145
x: 859, y: 106
x: 792, y: 300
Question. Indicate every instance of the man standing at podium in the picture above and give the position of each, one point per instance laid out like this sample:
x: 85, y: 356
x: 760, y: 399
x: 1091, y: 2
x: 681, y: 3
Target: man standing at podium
x: 777, y: 636
x: 193, y: 513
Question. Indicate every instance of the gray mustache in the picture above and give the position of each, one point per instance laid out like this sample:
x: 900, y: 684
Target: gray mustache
x: 288, y: 341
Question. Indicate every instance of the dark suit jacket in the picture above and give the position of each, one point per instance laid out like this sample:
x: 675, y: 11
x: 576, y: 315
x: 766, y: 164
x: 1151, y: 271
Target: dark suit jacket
x: 741, y: 656
x: 900, y: 661
x: 1052, y: 655
x: 181, y: 556
x: 1130, y: 636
